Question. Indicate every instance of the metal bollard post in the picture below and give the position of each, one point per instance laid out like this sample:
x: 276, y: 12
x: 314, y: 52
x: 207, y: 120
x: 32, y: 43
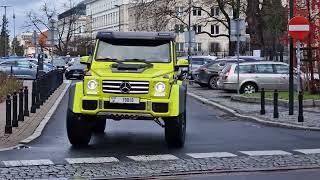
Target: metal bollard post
x: 300, y: 116
x: 21, y: 115
x: 38, y: 93
x: 263, y: 109
x: 33, y: 97
x: 275, y: 104
x: 8, y: 127
x: 26, y: 101
x: 15, y: 110
x: 42, y: 90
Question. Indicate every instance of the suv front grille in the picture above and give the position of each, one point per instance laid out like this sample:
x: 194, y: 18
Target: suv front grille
x: 125, y: 87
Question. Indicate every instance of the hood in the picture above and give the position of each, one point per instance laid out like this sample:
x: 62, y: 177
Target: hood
x: 148, y: 73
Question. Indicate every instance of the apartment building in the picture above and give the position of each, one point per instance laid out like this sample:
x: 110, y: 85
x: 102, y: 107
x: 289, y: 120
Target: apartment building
x: 107, y: 15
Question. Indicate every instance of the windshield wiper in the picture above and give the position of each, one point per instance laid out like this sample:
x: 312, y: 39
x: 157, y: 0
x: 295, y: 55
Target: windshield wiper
x: 107, y: 59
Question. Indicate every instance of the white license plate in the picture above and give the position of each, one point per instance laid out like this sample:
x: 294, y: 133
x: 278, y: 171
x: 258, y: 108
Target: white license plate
x: 124, y: 100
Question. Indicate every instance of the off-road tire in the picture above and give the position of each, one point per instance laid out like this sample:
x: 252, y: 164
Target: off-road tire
x: 79, y: 129
x: 99, y: 126
x: 175, y: 130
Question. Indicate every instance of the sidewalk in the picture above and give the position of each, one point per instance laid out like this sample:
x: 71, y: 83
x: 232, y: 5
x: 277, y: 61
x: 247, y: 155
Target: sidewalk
x: 252, y: 110
x: 29, y: 125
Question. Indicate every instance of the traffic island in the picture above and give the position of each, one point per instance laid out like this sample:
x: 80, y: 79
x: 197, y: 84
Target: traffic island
x: 249, y: 109
x: 32, y: 124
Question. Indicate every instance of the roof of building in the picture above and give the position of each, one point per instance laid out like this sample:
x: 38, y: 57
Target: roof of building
x: 80, y: 9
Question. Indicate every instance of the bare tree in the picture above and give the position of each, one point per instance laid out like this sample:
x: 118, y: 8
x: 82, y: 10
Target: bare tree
x: 66, y: 23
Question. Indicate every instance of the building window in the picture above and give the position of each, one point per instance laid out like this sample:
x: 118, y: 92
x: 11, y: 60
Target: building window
x: 180, y: 47
x: 179, y: 28
x: 196, y: 12
x: 197, y: 47
x: 179, y: 11
x: 214, y: 47
x: 197, y: 28
x: 215, y: 11
x: 215, y: 29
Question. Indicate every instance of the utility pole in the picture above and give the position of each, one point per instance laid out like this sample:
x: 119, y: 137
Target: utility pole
x: 291, y: 78
x: 14, y: 33
x: 5, y: 18
x: 238, y: 45
x: 189, y: 34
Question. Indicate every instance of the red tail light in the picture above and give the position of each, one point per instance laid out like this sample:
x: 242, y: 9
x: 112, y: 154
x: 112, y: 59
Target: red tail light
x: 227, y: 74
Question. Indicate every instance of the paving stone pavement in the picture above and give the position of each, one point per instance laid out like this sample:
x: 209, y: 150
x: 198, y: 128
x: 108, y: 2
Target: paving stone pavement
x: 162, y: 167
x: 28, y: 126
x: 311, y: 115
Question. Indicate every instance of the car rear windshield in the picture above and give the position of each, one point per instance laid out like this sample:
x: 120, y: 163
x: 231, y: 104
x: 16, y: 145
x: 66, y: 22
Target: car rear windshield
x: 150, y: 52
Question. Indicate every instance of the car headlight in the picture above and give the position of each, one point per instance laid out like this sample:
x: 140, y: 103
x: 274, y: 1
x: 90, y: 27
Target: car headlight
x: 160, y: 87
x: 92, y: 84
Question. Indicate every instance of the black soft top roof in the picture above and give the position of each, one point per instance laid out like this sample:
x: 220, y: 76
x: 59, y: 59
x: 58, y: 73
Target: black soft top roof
x: 115, y: 35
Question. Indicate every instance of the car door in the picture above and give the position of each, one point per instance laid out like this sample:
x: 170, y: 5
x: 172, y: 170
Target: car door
x: 8, y: 67
x: 282, y: 72
x: 25, y: 70
x: 265, y: 76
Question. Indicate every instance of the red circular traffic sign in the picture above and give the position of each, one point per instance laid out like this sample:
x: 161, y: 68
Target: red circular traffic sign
x: 299, y: 27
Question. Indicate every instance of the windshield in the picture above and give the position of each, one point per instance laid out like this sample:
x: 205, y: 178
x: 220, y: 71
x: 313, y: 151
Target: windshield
x: 149, y: 53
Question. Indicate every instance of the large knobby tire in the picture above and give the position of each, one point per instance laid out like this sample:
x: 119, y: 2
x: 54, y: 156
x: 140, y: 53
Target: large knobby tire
x: 175, y: 130
x: 79, y: 129
x: 213, y: 82
x: 100, y: 126
x: 249, y: 88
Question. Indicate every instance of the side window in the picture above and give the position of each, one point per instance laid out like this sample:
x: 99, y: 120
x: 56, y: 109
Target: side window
x: 244, y: 69
x: 23, y: 64
x: 282, y: 69
x: 197, y: 61
x: 264, y: 68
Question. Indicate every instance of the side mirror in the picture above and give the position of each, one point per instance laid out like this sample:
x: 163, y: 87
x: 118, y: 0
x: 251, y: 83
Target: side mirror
x: 85, y: 60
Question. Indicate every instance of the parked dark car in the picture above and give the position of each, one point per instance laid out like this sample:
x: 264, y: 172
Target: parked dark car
x: 208, y: 74
x: 75, y: 72
x: 60, y: 64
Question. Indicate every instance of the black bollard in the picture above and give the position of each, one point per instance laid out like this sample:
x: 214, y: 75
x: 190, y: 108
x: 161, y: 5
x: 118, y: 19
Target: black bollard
x: 38, y: 93
x: 300, y: 99
x: 8, y: 127
x: 26, y: 101
x: 21, y: 115
x: 275, y: 104
x: 33, y: 97
x: 263, y: 109
x: 15, y: 110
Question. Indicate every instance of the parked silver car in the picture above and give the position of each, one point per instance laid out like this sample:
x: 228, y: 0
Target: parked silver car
x: 254, y: 76
x: 22, y: 69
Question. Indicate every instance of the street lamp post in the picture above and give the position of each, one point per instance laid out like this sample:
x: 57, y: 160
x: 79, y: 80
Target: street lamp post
x: 291, y: 78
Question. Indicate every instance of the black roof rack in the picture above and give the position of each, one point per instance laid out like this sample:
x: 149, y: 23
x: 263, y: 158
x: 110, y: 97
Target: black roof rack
x: 113, y: 35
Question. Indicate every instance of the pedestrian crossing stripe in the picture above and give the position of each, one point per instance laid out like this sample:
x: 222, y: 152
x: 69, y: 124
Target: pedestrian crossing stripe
x: 160, y: 157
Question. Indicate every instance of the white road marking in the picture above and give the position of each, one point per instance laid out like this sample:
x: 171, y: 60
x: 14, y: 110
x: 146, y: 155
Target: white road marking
x: 308, y: 151
x: 299, y: 28
x: 265, y: 153
x: 91, y: 160
x: 153, y: 157
x: 28, y: 163
x: 210, y: 155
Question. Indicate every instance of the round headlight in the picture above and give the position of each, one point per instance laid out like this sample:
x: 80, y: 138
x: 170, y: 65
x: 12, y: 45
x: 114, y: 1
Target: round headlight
x: 160, y: 87
x: 92, y: 84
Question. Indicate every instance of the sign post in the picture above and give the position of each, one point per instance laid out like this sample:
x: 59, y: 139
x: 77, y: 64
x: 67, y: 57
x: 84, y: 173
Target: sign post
x: 237, y: 29
x: 299, y: 28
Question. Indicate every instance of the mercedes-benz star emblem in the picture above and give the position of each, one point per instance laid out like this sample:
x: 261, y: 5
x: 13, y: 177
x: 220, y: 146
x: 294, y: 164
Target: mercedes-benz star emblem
x: 125, y: 87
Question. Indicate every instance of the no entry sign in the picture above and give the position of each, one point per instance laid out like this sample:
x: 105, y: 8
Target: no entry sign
x: 299, y: 27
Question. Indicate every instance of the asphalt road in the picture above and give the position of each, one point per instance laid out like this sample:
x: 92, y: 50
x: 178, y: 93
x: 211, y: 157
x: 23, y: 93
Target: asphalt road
x: 274, y: 175
x: 208, y: 130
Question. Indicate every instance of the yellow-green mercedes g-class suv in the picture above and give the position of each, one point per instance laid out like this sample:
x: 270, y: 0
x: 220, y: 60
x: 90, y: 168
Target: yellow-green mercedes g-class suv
x: 131, y: 75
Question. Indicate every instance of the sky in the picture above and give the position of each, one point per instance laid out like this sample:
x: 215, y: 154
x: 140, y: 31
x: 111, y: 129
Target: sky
x: 21, y: 7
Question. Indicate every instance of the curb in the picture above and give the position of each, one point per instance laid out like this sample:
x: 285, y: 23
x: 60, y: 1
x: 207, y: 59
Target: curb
x: 229, y: 110
x: 46, y: 118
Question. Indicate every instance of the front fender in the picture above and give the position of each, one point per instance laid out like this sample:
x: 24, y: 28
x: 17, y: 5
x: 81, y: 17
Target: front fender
x: 178, y: 98
x: 75, y: 96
